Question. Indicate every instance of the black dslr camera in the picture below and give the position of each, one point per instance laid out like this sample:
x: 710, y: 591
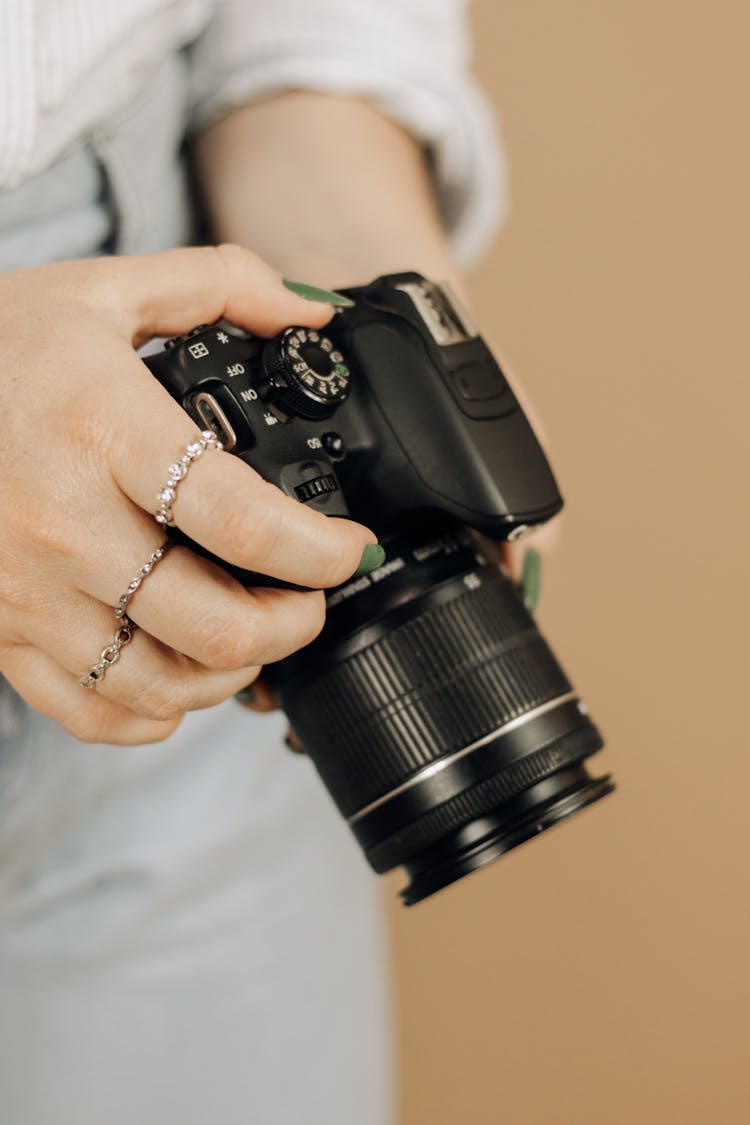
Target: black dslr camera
x: 433, y: 709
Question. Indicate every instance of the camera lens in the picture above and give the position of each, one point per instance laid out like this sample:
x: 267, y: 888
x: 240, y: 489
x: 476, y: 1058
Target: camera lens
x: 436, y: 714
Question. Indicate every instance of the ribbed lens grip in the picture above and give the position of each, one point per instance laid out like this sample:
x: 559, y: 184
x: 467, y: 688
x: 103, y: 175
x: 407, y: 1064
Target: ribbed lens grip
x: 466, y: 662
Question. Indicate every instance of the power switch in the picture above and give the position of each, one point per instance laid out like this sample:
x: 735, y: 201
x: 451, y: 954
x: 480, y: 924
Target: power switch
x: 218, y: 410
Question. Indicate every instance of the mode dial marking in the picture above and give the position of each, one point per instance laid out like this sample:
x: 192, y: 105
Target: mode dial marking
x: 305, y: 373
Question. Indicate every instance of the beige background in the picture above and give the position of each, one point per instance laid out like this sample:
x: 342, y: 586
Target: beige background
x: 601, y: 974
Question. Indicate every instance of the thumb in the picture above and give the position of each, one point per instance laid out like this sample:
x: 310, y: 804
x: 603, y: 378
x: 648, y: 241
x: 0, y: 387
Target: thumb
x: 172, y: 291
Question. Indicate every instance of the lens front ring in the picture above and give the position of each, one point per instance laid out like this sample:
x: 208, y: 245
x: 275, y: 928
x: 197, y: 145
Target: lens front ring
x: 438, y: 717
x: 441, y: 764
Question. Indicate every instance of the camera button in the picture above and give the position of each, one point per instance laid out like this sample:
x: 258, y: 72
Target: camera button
x: 476, y: 382
x: 334, y: 446
x: 215, y: 408
x: 213, y: 418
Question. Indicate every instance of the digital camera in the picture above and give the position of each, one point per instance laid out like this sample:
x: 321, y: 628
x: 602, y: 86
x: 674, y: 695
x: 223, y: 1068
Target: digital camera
x: 434, y: 711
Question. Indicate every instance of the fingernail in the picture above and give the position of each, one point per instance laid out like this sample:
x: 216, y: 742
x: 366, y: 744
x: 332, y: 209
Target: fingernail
x: 373, y: 556
x: 247, y: 695
x: 313, y: 293
x: 531, y: 579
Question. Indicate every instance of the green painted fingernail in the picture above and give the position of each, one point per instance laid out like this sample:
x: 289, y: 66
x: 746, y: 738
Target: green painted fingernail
x: 323, y: 296
x: 373, y: 556
x: 531, y: 579
x: 247, y: 695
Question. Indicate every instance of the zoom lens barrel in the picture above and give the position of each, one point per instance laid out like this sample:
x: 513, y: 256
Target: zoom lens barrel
x: 436, y: 714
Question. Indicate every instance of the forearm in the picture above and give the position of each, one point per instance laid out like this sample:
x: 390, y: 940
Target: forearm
x: 325, y: 188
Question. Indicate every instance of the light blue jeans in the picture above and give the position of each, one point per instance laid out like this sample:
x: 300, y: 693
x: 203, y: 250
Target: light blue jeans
x: 188, y: 933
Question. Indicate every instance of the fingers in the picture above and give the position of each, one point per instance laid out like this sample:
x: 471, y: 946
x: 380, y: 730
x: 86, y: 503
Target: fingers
x: 250, y: 523
x: 225, y: 505
x: 148, y: 678
x: 203, y: 613
x: 155, y: 680
x: 202, y: 636
x: 99, y: 412
x: 266, y: 625
x: 170, y: 292
x: 85, y: 714
x: 544, y: 540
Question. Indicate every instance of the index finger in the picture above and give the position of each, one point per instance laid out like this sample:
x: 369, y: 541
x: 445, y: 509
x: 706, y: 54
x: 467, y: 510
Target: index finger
x: 161, y: 294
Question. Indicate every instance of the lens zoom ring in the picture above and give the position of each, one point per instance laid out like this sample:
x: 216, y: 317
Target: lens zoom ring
x: 441, y: 680
x: 482, y: 798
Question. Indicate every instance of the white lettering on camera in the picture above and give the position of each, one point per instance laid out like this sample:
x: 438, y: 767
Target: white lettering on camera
x: 387, y: 568
x: 349, y: 590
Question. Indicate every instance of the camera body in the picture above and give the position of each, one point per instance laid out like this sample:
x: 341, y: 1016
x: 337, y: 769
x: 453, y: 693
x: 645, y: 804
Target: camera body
x: 394, y: 407
x: 433, y: 709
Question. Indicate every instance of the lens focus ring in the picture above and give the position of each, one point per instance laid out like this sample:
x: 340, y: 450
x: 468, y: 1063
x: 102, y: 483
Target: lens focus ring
x: 466, y: 663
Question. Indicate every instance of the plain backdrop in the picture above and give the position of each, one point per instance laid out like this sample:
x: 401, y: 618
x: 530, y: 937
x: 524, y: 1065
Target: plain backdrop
x: 600, y: 975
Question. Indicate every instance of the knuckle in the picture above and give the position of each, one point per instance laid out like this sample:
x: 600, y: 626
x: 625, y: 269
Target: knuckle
x: 234, y: 257
x: 163, y: 700
x: 88, y: 726
x: 46, y: 529
x: 252, y: 528
x: 166, y: 710
x: 52, y: 536
x: 101, y: 286
x: 233, y: 519
x: 228, y: 648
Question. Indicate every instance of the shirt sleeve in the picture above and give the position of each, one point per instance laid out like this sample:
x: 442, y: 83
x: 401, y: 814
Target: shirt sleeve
x: 409, y: 58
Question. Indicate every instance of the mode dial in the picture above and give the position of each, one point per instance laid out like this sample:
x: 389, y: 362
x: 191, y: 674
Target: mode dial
x: 305, y: 373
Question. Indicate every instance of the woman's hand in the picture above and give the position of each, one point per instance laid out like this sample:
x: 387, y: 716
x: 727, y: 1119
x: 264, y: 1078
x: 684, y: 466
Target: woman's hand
x: 88, y: 437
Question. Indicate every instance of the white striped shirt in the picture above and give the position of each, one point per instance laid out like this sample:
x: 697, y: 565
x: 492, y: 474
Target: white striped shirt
x: 68, y: 65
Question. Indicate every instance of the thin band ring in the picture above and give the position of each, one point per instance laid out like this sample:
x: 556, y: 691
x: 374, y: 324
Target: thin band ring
x: 177, y: 473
